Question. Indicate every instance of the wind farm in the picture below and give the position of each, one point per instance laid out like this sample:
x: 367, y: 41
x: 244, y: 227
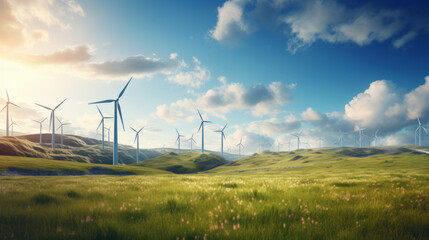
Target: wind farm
x: 232, y: 119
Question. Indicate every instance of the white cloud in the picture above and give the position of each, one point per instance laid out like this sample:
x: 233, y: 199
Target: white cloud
x: 194, y: 78
x: 311, y: 115
x: 417, y: 101
x: 230, y: 25
x: 404, y: 39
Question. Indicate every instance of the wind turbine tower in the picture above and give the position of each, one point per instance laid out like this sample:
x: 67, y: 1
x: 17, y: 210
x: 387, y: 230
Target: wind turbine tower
x: 361, y: 134
x: 191, y: 139
x: 11, y: 125
x: 61, y: 126
x: 222, y: 136
x: 419, y: 132
x: 40, y: 123
x: 52, y: 120
x: 178, y: 140
x: 137, y: 138
x: 297, y: 138
x: 202, y: 130
x: 115, y: 121
x: 7, y: 112
x: 108, y: 134
x: 102, y: 127
x: 240, y: 145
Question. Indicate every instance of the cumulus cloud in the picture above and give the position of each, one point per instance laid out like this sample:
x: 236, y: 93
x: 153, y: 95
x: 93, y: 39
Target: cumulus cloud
x: 305, y: 22
x: 68, y: 55
x: 230, y: 25
x: 273, y: 126
x: 175, y: 113
x: 311, y: 115
x: 417, y: 101
x: 194, y: 78
x: 138, y: 66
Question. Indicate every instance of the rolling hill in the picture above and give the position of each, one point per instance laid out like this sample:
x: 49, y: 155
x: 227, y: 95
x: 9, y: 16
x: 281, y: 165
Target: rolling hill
x: 187, y: 162
x: 76, y: 148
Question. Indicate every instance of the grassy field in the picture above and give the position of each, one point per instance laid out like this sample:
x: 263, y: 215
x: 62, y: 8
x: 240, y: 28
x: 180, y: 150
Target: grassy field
x: 187, y: 162
x: 326, y: 195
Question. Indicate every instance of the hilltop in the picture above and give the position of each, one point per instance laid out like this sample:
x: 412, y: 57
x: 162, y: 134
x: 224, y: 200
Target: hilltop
x: 187, y: 162
x: 76, y: 148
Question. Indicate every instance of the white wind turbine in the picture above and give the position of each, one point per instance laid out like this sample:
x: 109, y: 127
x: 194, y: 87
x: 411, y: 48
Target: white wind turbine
x: 137, y: 138
x: 61, y: 126
x: 297, y: 137
x: 375, y: 137
x: 102, y: 127
x: 7, y: 112
x: 202, y: 130
x: 12, y: 124
x: 52, y: 120
x: 178, y: 140
x: 191, y: 139
x: 361, y: 135
x: 40, y: 123
x: 222, y: 136
x: 419, y: 133
x: 108, y: 134
x: 115, y: 121
x: 240, y: 145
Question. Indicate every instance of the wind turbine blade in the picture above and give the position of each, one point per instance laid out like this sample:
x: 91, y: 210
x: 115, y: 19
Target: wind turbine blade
x: 207, y: 121
x: 200, y: 127
x: 426, y: 131
x: 43, y: 106
x: 200, y: 115
x: 193, y: 140
x: 43, y: 120
x: 100, y: 124
x: 66, y: 124
x: 177, y: 132
x: 59, y: 127
x: 224, y: 127
x: 7, y: 94
x: 14, y: 104
x: 108, y: 117
x: 135, y: 139
x: 133, y: 129
x: 223, y: 135
x: 418, y: 119
x: 104, y: 101
x: 36, y: 121
x: 59, y: 121
x: 3, y: 108
x: 123, y: 90
x: 120, y: 114
x: 100, y: 112
x: 141, y: 129
x: 60, y: 104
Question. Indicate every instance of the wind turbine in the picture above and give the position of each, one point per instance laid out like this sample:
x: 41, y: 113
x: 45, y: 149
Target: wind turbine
x: 375, y: 138
x: 361, y: 134
x: 240, y: 145
x: 178, y: 140
x: 340, y: 139
x: 108, y: 134
x: 137, y: 138
x: 419, y: 132
x: 191, y: 139
x: 11, y: 125
x: 102, y: 126
x: 115, y: 121
x: 222, y: 136
x: 7, y: 112
x: 297, y: 136
x: 52, y: 120
x: 40, y: 123
x: 202, y: 130
x: 61, y: 126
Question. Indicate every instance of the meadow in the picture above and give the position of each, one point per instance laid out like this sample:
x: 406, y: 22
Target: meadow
x: 373, y: 197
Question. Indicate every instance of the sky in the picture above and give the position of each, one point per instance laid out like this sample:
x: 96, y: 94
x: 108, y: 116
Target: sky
x: 267, y: 68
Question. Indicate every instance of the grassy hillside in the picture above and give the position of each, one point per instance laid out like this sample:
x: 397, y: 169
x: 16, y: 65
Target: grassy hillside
x: 78, y: 149
x: 187, y: 162
x: 11, y: 165
x: 376, y: 158
x: 336, y: 196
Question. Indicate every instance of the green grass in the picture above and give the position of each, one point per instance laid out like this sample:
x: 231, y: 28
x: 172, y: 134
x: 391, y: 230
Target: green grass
x: 333, y: 196
x: 187, y: 162
x: 41, y: 164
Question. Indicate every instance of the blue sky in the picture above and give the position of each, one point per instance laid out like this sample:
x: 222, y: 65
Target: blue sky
x: 269, y: 68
